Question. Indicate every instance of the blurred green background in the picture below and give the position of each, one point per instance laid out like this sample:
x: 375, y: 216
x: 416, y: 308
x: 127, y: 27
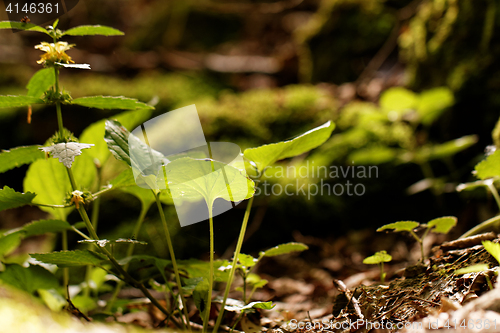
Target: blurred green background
x: 265, y: 71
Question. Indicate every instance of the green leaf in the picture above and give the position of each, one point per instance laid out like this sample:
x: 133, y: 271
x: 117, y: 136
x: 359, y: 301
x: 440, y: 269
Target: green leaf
x: 10, y: 159
x: 110, y: 102
x: 22, y: 26
x: 200, y: 297
x: 12, y: 199
x: 52, y: 299
x: 124, y: 179
x: 66, y: 151
x: 443, y: 150
x: 266, y: 155
x: 95, y: 133
x: 400, y: 226
x: 195, y: 179
x: 29, y: 279
x: 90, y: 30
x: 70, y: 258
x: 284, y: 249
x: 490, y: 167
x: 144, y: 195
x: 246, y: 260
x: 49, y: 179
x: 377, y: 258
x: 472, y: 269
x: 398, y: 99
x: 17, y: 101
x: 9, y: 243
x: 40, y: 82
x: 373, y: 155
x: 433, y: 102
x: 45, y: 226
x: 256, y: 281
x: 234, y: 306
x: 493, y: 249
x: 443, y: 224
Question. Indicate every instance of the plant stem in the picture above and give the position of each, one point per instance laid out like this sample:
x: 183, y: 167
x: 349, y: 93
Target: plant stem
x: 174, y: 262
x: 494, y: 191
x: 211, y: 274
x: 130, y: 250
x: 65, y: 270
x: 235, y: 260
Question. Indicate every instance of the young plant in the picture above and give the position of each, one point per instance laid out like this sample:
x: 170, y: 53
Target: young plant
x: 440, y: 225
x: 378, y: 259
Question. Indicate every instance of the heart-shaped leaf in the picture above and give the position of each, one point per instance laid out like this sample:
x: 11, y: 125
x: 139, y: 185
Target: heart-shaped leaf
x: 490, y: 167
x: 377, y: 258
x: 40, y: 82
x: 443, y: 224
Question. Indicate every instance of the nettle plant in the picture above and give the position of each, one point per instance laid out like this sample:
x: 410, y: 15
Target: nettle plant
x: 440, y: 225
x: 74, y: 180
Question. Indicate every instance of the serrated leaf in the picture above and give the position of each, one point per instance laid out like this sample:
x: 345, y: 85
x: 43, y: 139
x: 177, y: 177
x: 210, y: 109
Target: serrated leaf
x: 22, y: 26
x: 443, y: 224
x: 12, y: 199
x: 17, y: 101
x: 400, y: 226
x: 110, y: 102
x: 472, y: 269
x: 66, y: 152
x: 91, y: 30
x: 40, y: 82
x: 29, y: 278
x: 266, y: 155
x: 15, y: 157
x: 489, y: 167
x: 377, y: 258
x: 284, y: 249
x: 9, y: 243
x: 70, y: 258
x: 95, y: 132
x: 493, y: 249
x: 45, y: 226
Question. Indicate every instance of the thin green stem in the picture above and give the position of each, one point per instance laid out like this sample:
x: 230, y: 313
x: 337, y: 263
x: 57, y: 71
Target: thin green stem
x: 235, y: 260
x: 174, y: 262
x: 130, y: 251
x: 65, y: 270
x: 51, y: 206
x: 211, y: 274
x: 494, y: 191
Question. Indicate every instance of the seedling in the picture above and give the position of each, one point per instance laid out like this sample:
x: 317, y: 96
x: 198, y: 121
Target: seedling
x: 440, y: 225
x: 476, y: 269
x: 379, y: 258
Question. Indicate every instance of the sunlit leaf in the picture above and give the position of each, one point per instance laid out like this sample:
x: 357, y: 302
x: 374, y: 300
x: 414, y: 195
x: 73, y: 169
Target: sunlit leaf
x: 433, y: 102
x: 490, y: 167
x: 40, y: 82
x: 398, y: 99
x: 284, y: 249
x: 493, y: 249
x: 9, y: 243
x: 89, y: 30
x: 377, y: 258
x: 22, y: 26
x: 17, y: 101
x: 15, y: 157
x: 443, y: 150
x: 70, y: 258
x: 443, y: 224
x: 472, y: 269
x: 29, y: 278
x: 12, y: 199
x: 110, y: 102
x: 266, y: 155
x: 41, y: 227
x: 400, y: 226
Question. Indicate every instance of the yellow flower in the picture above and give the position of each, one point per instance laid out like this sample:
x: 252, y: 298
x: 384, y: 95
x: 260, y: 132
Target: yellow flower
x: 54, y: 53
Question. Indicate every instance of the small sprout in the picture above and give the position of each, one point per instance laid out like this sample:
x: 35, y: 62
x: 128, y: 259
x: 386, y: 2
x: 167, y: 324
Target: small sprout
x: 476, y: 269
x: 379, y: 258
x: 493, y: 249
x: 440, y: 225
